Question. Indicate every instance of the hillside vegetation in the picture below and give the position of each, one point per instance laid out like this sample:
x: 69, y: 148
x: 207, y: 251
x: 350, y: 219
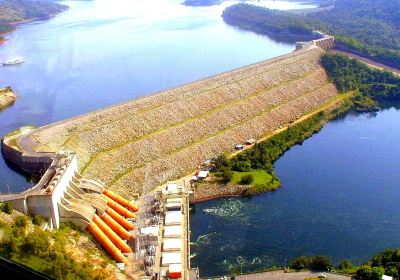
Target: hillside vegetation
x: 386, y: 262
x: 261, y: 156
x: 282, y: 25
x: 368, y: 88
x: 54, y: 253
x: 370, y: 85
x: 366, y: 27
x: 14, y: 11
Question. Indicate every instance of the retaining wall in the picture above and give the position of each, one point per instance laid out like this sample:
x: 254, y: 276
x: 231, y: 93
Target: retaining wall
x: 31, y: 163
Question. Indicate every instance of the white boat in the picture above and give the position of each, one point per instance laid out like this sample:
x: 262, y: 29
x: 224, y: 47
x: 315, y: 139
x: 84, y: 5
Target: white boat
x: 13, y: 62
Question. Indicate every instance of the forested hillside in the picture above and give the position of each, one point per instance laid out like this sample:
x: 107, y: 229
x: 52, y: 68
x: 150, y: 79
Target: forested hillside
x: 14, y: 11
x: 283, y: 25
x: 369, y: 85
x: 366, y: 27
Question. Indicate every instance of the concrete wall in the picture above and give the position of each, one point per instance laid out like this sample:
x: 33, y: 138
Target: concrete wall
x: 327, y: 43
x: 43, y: 203
x: 62, y: 185
x: 20, y: 205
x: 40, y: 205
x: 32, y: 163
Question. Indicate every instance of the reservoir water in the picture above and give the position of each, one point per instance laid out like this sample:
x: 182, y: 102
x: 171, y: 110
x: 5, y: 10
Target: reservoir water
x: 339, y: 197
x: 103, y: 52
x: 340, y: 188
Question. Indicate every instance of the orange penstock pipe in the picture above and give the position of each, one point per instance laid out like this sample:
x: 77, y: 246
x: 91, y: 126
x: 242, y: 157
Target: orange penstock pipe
x: 119, y: 209
x: 119, y: 219
x: 115, y: 226
x: 132, y: 206
x: 112, y: 235
x: 106, y: 243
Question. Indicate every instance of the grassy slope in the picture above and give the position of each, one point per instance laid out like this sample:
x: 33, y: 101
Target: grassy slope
x: 262, y: 180
x: 306, y: 126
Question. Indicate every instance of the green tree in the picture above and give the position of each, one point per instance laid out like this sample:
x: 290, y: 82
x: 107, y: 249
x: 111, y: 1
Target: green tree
x: 222, y: 161
x: 226, y: 174
x: 36, y: 243
x: 320, y: 263
x: 346, y: 264
x: 364, y: 272
x: 6, y: 207
x: 241, y: 166
x: 377, y: 273
x: 246, y: 179
x: 300, y: 263
x: 37, y: 220
x: 392, y: 271
x: 21, y: 222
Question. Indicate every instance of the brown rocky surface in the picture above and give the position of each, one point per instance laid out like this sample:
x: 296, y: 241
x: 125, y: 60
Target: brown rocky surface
x: 161, y: 137
x: 7, y: 97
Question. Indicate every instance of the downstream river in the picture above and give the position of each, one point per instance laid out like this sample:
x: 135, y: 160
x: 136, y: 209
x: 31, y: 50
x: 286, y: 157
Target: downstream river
x: 104, y: 52
x: 340, y: 197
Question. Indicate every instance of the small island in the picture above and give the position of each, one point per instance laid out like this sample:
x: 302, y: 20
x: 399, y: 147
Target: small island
x: 7, y: 97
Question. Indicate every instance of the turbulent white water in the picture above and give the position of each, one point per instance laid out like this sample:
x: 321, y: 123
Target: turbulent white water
x: 227, y: 208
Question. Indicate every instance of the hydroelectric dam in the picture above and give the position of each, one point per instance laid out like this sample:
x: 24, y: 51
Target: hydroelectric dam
x: 102, y: 167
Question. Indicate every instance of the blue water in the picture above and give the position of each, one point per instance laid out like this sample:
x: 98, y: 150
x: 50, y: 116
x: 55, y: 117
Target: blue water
x: 340, y: 188
x: 339, y: 197
x: 103, y: 52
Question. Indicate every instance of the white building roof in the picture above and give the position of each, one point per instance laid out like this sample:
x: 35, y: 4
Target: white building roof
x: 173, y: 218
x: 168, y: 258
x: 202, y: 174
x: 172, y: 187
x: 150, y: 230
x: 174, y: 267
x: 171, y: 231
x: 385, y: 277
x: 174, y: 200
x: 173, y: 205
x: 250, y: 141
x: 172, y: 244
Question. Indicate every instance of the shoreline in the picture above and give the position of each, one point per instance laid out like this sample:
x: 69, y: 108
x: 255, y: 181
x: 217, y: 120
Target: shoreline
x: 215, y: 197
x: 15, y: 25
x: 4, y: 40
x: 228, y: 191
x: 7, y: 98
x: 287, y: 37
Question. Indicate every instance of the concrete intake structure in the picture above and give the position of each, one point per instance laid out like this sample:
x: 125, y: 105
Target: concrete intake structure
x: 63, y: 195
x: 161, y: 137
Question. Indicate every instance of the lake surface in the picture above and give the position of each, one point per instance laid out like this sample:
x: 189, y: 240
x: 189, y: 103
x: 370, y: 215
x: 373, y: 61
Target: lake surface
x: 103, y: 52
x: 340, y: 188
x: 340, y: 197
